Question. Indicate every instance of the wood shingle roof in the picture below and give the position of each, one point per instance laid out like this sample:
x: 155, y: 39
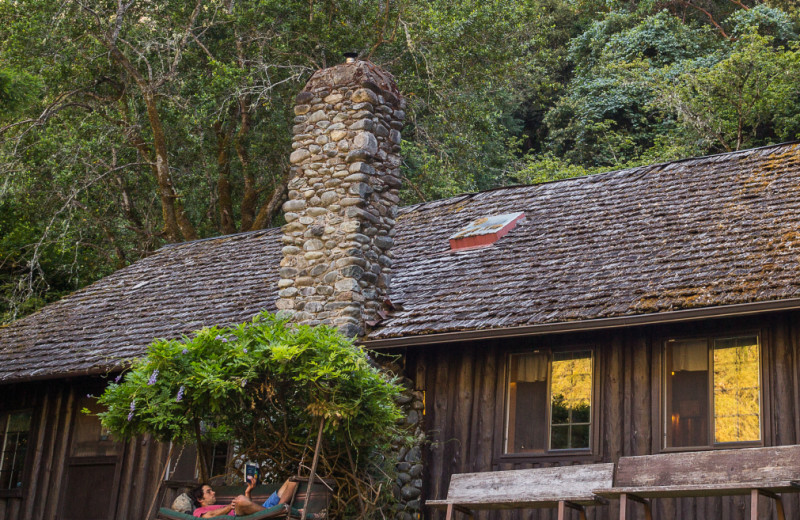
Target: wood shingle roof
x: 713, y: 231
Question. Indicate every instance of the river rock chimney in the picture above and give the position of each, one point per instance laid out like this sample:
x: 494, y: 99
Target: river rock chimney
x: 343, y: 197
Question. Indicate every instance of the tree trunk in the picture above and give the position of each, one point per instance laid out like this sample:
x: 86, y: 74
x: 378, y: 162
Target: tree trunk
x: 227, y: 225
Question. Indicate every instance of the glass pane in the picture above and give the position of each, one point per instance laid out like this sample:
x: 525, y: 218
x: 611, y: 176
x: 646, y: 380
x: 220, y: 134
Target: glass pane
x: 736, y: 390
x: 570, y: 399
x: 19, y: 422
x: 687, y: 393
x: 526, y: 415
x: 560, y: 438
x: 13, y: 446
x: 580, y: 435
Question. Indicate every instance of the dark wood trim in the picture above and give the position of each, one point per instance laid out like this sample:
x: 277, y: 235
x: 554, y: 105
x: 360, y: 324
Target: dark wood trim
x: 670, y: 317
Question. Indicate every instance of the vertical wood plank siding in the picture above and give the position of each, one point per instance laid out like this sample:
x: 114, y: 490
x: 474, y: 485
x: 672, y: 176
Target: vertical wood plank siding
x: 464, y: 387
x: 54, y: 405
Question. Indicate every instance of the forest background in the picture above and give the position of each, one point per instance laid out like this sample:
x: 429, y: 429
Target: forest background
x: 129, y: 124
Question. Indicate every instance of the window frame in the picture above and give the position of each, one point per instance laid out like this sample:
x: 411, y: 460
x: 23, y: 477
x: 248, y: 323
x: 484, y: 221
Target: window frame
x: 32, y: 429
x: 660, y: 439
x: 590, y: 454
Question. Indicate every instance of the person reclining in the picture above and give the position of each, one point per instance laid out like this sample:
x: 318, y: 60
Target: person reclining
x: 242, y: 505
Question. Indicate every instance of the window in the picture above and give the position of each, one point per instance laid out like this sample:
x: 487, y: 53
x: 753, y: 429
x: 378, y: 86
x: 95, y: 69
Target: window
x: 549, y: 402
x: 713, y: 392
x: 15, y: 428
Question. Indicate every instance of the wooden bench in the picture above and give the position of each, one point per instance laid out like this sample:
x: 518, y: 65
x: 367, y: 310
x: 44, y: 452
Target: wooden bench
x: 748, y: 471
x: 562, y: 487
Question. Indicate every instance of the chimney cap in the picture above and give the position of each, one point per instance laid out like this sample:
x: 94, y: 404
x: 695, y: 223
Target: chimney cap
x: 350, y: 57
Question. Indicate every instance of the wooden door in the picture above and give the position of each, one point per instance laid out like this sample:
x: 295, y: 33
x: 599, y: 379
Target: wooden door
x: 92, y: 468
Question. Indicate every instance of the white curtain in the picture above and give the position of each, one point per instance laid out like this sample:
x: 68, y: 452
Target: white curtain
x: 689, y: 355
x: 529, y: 368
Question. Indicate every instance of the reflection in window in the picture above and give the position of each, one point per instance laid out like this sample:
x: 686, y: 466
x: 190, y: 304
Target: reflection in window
x: 736, y: 390
x: 549, y: 401
x: 570, y: 401
x: 712, y: 392
x: 13, y: 446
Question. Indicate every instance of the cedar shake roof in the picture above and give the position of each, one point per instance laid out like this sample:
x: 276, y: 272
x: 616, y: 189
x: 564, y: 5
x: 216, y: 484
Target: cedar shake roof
x: 704, y: 232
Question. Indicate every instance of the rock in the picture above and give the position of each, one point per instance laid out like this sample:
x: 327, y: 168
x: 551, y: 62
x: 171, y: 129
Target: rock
x: 361, y: 167
x: 410, y: 492
x: 363, y: 95
x: 366, y: 141
x: 357, y: 155
x: 363, y: 124
x: 304, y: 97
x: 319, y: 115
x: 338, y: 135
x: 413, y: 455
x: 313, y: 245
x: 299, y: 155
x: 294, y: 205
x: 301, y: 109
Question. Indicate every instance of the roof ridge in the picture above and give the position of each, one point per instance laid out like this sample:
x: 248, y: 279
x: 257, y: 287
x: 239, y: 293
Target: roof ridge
x: 634, y: 170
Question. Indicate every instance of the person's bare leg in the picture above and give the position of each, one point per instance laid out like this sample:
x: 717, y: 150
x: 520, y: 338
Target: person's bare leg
x: 245, y: 506
x: 286, y: 492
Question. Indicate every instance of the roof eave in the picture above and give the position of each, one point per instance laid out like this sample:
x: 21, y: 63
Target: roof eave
x: 722, y: 311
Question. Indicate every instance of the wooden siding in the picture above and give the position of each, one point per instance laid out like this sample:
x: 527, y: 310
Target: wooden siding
x: 138, y: 464
x: 464, y: 387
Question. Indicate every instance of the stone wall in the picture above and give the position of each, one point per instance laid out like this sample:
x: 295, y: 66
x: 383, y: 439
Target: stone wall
x: 343, y: 198
x: 408, y: 487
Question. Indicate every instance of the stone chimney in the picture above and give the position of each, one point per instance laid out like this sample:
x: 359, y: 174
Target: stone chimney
x: 343, y: 197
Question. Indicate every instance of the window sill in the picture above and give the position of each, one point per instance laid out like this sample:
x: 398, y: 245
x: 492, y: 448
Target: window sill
x: 713, y: 447
x: 549, y: 456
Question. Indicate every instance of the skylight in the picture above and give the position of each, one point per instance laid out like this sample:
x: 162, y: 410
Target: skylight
x: 484, y: 231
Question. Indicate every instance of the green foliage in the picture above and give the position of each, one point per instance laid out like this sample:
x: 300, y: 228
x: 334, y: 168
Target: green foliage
x: 745, y: 96
x: 264, y: 386
x: 497, y: 92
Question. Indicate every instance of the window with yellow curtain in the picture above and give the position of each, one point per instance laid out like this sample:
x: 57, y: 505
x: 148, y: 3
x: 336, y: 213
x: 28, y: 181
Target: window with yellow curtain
x: 548, y: 402
x: 712, y: 391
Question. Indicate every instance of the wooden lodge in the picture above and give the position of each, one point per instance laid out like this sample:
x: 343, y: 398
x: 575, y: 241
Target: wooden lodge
x: 645, y: 311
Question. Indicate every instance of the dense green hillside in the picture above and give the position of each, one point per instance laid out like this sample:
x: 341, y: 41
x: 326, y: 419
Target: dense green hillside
x: 124, y: 126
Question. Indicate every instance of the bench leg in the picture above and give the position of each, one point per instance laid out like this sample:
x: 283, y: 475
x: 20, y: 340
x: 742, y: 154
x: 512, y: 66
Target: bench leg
x: 623, y: 506
x: 450, y: 511
x: 562, y: 510
x: 754, y: 496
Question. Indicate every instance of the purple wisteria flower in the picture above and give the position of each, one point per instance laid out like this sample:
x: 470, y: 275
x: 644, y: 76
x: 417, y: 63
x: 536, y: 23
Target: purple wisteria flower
x: 130, y: 417
x: 153, y: 378
x: 222, y: 339
x: 244, y: 350
x: 118, y: 378
x: 179, y: 397
x: 244, y: 383
x: 89, y: 395
x: 185, y: 351
x: 133, y: 408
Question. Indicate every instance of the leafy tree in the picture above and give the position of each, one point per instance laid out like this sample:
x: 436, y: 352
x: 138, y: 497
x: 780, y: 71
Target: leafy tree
x: 746, y: 94
x: 266, y: 387
x: 606, y: 117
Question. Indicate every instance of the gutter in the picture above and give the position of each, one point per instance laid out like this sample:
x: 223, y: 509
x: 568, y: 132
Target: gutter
x: 723, y: 311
